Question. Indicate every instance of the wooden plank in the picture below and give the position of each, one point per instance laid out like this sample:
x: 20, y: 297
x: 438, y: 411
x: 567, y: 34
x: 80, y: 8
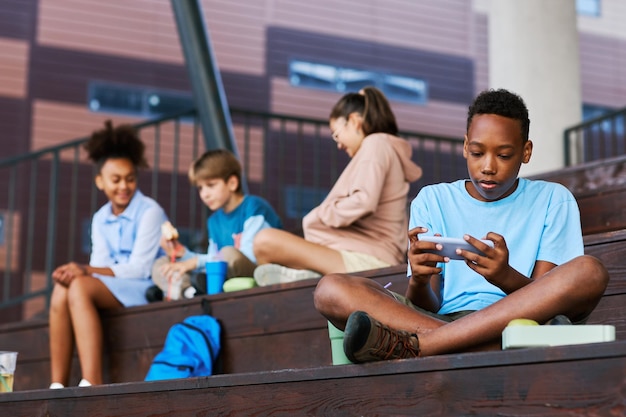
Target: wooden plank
x: 611, y: 310
x: 603, y: 211
x: 557, y: 381
x: 610, y: 248
x: 281, y: 315
x: 254, y: 319
x: 307, y: 348
x: 600, y: 189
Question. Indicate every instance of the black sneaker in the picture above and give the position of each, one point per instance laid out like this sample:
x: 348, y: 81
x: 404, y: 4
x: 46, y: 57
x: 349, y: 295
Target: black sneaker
x: 366, y: 340
x: 154, y: 294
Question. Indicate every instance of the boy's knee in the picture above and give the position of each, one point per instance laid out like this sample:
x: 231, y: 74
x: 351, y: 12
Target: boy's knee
x: 239, y: 265
x: 590, y: 272
x: 322, y: 290
x: 328, y: 291
x: 596, y: 271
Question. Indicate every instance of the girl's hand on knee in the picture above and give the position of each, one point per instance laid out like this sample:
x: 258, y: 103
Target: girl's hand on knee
x: 65, y: 274
x: 75, y: 270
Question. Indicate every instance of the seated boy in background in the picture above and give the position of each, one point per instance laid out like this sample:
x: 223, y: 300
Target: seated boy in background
x: 236, y: 219
x: 535, y: 270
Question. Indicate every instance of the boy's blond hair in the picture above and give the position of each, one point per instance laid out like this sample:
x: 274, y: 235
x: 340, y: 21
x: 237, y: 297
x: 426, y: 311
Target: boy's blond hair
x: 216, y: 163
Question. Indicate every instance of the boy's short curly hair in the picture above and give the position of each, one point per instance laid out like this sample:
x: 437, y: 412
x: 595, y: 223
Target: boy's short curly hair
x: 503, y: 103
x: 120, y: 142
x: 215, y: 163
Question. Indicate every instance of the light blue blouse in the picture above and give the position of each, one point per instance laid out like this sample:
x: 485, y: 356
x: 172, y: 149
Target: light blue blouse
x: 129, y: 245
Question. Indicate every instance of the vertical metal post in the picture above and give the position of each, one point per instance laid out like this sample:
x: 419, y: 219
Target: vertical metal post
x: 566, y: 147
x: 205, y: 78
x: 53, y: 199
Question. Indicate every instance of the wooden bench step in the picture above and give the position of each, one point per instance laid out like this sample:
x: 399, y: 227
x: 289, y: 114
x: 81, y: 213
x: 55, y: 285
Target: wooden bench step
x: 600, y: 189
x: 281, y: 316
x: 265, y: 329
x: 557, y: 381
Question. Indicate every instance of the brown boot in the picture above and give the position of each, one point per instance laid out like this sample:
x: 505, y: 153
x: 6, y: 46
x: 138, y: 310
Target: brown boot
x: 366, y: 340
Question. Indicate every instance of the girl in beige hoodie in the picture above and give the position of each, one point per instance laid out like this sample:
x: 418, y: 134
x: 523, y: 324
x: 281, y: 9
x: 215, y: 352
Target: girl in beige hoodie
x: 362, y: 223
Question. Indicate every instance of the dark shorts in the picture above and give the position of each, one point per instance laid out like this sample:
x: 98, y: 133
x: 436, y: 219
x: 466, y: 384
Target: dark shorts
x: 450, y: 317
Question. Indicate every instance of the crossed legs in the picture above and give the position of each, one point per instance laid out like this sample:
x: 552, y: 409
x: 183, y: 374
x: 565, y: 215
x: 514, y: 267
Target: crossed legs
x: 572, y: 289
x: 74, y: 316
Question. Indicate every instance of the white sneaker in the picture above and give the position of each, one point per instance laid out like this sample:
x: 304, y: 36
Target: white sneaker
x: 84, y: 383
x: 189, y: 292
x: 56, y: 385
x: 269, y: 274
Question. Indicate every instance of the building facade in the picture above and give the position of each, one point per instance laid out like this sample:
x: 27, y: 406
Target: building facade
x: 66, y: 65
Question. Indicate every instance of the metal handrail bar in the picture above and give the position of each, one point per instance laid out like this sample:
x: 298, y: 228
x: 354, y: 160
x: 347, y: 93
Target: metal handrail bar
x: 76, y: 142
x: 597, y: 138
x: 598, y: 119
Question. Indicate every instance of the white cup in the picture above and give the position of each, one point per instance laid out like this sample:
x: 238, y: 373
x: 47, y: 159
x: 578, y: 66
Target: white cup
x: 7, y: 369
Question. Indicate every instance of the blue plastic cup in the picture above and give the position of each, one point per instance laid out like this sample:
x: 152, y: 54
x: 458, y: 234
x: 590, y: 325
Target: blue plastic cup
x: 215, y: 276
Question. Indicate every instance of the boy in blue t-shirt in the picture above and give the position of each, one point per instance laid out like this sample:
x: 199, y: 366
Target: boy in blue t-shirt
x: 534, y: 269
x: 236, y: 219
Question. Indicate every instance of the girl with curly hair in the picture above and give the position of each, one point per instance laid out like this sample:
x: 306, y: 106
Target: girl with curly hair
x: 125, y: 235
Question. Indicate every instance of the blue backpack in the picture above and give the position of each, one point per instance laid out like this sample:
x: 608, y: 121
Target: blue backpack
x: 191, y: 349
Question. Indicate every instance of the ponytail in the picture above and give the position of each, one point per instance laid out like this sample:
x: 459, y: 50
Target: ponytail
x: 377, y: 115
x: 373, y: 107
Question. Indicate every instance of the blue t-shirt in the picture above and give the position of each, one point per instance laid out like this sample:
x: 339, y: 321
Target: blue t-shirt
x: 539, y: 221
x: 237, y: 228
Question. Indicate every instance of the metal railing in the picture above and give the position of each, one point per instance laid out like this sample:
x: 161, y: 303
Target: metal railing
x: 599, y: 138
x: 50, y: 196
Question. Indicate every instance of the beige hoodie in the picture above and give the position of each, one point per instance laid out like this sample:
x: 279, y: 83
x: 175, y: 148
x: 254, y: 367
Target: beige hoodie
x: 366, y: 210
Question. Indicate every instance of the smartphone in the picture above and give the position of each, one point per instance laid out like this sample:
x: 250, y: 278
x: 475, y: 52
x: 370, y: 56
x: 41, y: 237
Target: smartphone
x: 451, y: 244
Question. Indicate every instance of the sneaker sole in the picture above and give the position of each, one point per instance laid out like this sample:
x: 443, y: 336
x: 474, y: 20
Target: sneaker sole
x: 268, y: 274
x: 354, y: 338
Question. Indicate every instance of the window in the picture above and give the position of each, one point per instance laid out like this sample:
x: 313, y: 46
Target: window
x: 404, y: 89
x: 300, y: 200
x: 603, y: 134
x: 610, y: 125
x: 340, y: 79
x: 591, y: 111
x: 588, y: 7
x: 136, y: 100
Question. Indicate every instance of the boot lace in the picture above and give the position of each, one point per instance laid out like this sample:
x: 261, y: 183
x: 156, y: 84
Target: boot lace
x: 395, y: 344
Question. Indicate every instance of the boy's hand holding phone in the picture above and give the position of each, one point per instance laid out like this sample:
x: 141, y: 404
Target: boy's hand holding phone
x: 488, y: 257
x: 456, y: 248
x: 480, y: 255
x: 494, y: 265
x: 423, y: 263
